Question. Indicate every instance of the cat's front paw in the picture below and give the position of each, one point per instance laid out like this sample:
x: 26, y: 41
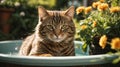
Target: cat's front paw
x: 42, y: 55
x: 46, y: 55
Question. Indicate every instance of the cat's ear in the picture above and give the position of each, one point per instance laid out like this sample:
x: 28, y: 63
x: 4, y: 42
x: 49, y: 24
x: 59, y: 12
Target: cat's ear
x: 42, y: 12
x: 70, y: 12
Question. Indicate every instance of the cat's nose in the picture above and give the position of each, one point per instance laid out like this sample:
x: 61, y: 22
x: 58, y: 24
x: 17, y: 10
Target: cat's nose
x: 56, y: 36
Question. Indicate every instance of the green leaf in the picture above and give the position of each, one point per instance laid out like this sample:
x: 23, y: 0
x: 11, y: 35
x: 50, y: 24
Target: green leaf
x: 116, y: 60
x: 84, y: 47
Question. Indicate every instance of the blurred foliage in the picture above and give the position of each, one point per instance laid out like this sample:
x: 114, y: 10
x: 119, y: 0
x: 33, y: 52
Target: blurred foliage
x: 49, y: 3
x: 7, y: 4
x: 102, y: 19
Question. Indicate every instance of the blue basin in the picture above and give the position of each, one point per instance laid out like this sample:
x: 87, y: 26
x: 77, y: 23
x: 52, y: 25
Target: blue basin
x: 9, y: 53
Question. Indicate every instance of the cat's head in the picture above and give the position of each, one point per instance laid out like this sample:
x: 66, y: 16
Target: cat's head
x: 56, y: 26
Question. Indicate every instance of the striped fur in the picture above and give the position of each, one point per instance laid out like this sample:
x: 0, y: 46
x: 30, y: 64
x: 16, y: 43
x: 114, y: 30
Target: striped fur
x: 54, y: 35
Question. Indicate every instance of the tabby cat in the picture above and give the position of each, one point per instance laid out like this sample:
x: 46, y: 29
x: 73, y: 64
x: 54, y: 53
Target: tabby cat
x: 53, y: 36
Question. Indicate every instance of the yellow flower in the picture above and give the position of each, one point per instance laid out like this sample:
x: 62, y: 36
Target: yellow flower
x: 88, y: 9
x: 80, y: 9
x: 102, y: 6
x: 103, y: 41
x: 83, y: 27
x: 95, y: 4
x: 94, y: 24
x: 102, y: 1
x: 114, y: 9
x: 115, y: 43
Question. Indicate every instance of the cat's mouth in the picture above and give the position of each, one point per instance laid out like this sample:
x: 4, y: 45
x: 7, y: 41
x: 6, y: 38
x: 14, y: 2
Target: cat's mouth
x: 57, y: 39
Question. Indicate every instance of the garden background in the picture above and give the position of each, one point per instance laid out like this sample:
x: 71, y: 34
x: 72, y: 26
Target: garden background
x: 24, y: 16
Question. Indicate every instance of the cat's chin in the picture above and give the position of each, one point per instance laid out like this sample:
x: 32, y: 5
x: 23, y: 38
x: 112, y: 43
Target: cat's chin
x: 56, y: 40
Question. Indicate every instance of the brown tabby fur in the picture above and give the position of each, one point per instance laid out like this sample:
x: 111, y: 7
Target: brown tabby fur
x: 53, y: 36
